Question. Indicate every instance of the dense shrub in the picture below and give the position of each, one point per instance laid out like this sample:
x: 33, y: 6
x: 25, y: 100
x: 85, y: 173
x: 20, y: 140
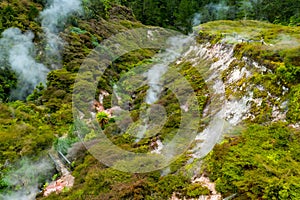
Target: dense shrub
x: 262, y: 163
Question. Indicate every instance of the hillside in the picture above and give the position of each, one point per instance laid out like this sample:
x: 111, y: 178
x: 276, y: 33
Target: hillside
x: 211, y: 114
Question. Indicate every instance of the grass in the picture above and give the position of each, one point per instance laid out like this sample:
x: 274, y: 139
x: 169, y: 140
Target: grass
x: 279, y: 36
x: 275, y: 46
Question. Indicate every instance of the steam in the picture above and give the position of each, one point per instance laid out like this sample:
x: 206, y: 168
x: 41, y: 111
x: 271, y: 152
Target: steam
x: 157, y: 71
x: 17, y: 50
x: 53, y: 19
x: 154, y: 79
x: 211, y: 12
x: 286, y: 41
x: 197, y: 19
x: 221, y: 11
x: 27, y: 179
x: 246, y: 8
x: 216, y: 11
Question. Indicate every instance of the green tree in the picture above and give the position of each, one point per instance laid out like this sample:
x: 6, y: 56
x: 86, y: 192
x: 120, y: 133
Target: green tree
x: 102, y: 118
x: 8, y: 81
x: 268, y: 171
x: 184, y: 16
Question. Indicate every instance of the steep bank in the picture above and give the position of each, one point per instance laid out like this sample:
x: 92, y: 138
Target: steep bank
x: 30, y: 128
x: 252, y: 164
x: 241, y: 89
x: 243, y: 73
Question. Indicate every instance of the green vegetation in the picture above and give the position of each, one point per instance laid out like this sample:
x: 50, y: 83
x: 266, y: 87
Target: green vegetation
x: 29, y: 128
x: 262, y: 163
x: 19, y: 14
x: 25, y: 130
x: 102, y: 118
x: 8, y: 81
x: 293, y: 114
x: 279, y: 53
x: 259, y: 162
x: 180, y: 14
x: 95, y: 181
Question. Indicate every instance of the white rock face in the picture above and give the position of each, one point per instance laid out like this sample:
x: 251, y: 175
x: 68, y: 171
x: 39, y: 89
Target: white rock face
x: 231, y: 92
x: 223, y: 113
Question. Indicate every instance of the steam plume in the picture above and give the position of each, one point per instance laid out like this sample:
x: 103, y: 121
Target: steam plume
x: 219, y: 11
x: 213, y: 11
x: 28, y: 178
x: 156, y: 72
x: 53, y: 19
x: 17, y: 51
x: 197, y: 19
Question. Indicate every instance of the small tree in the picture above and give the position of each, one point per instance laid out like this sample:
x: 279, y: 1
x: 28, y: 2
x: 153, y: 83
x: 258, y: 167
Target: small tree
x: 102, y: 118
